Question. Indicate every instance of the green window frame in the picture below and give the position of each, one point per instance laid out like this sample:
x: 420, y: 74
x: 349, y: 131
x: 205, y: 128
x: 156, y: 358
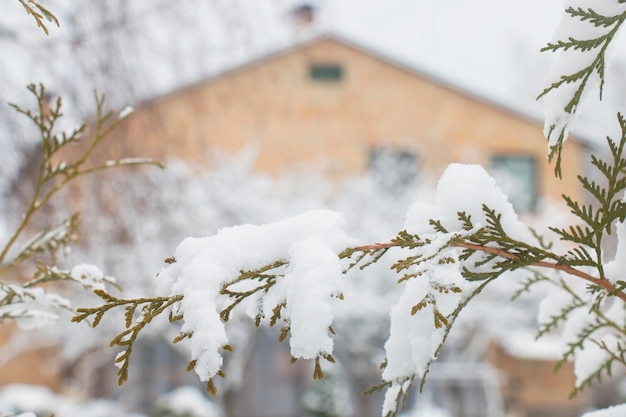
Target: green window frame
x: 517, y: 176
x: 326, y: 72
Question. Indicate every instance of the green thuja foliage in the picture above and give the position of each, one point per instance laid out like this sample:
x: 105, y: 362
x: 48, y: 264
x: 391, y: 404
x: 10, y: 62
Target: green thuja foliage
x: 587, y: 239
x: 598, y: 219
x: 594, y: 65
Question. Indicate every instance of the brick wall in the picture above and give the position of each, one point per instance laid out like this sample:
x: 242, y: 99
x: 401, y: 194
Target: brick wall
x: 295, y: 120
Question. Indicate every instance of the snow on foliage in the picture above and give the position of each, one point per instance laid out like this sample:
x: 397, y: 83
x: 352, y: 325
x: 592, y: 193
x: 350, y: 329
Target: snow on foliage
x: 415, y: 337
x: 34, y: 307
x: 453, y: 195
x: 306, y: 249
x: 617, y: 265
x: 580, y: 46
x: 31, y: 308
x: 291, y: 271
x: 90, y: 276
x: 310, y: 243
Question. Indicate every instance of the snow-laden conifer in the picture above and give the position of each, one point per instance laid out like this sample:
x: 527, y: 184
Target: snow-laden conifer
x: 289, y: 273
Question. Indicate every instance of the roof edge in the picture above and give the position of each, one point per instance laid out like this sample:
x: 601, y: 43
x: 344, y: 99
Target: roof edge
x: 310, y: 38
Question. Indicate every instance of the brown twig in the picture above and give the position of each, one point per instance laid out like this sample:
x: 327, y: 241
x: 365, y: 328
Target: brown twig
x: 376, y: 246
x: 603, y: 283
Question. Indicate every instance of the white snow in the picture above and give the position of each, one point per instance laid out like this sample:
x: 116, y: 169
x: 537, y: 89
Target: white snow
x: 126, y: 111
x: 570, y: 62
x: 31, y: 308
x: 614, y: 411
x: 313, y: 279
x: 615, y: 267
x: 465, y: 188
x: 118, y: 359
x: 90, y: 276
x: 15, y: 398
x: 25, y: 397
x: 414, y: 339
x: 391, y: 399
x: 523, y: 344
x: 429, y: 410
x: 310, y: 242
x: 591, y: 357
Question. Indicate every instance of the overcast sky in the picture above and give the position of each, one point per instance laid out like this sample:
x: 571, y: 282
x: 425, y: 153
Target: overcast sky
x: 491, y: 44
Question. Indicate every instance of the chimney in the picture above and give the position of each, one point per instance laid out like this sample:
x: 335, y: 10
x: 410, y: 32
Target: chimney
x: 303, y: 15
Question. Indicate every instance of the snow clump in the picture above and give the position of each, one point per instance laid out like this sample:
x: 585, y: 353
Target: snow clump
x: 310, y: 243
x: 415, y: 336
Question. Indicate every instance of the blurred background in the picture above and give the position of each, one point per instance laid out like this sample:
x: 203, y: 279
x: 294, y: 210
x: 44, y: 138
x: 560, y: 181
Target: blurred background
x: 262, y: 109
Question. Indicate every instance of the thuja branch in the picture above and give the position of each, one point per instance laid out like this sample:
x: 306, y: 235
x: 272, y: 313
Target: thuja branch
x: 149, y: 309
x: 603, y: 283
x: 599, y: 45
x: 265, y: 279
x: 376, y: 246
x: 53, y: 176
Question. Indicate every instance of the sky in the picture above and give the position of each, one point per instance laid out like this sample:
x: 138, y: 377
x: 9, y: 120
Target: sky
x: 489, y: 47
x: 486, y: 44
x: 491, y: 44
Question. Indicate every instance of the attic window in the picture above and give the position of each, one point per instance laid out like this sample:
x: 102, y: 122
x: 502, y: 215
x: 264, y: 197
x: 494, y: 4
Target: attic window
x: 326, y: 72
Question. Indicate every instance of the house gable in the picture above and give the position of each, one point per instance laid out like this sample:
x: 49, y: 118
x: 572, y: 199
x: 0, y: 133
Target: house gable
x: 334, y: 124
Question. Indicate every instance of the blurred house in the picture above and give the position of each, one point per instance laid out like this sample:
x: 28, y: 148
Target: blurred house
x: 346, y: 109
x: 38, y: 366
x: 531, y: 387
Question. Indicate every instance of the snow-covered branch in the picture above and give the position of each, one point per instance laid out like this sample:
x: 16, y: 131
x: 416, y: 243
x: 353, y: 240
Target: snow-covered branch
x: 580, y: 64
x: 289, y: 273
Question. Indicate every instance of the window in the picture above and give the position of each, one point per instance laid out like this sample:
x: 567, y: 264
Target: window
x: 326, y: 72
x: 516, y: 176
x: 393, y: 169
